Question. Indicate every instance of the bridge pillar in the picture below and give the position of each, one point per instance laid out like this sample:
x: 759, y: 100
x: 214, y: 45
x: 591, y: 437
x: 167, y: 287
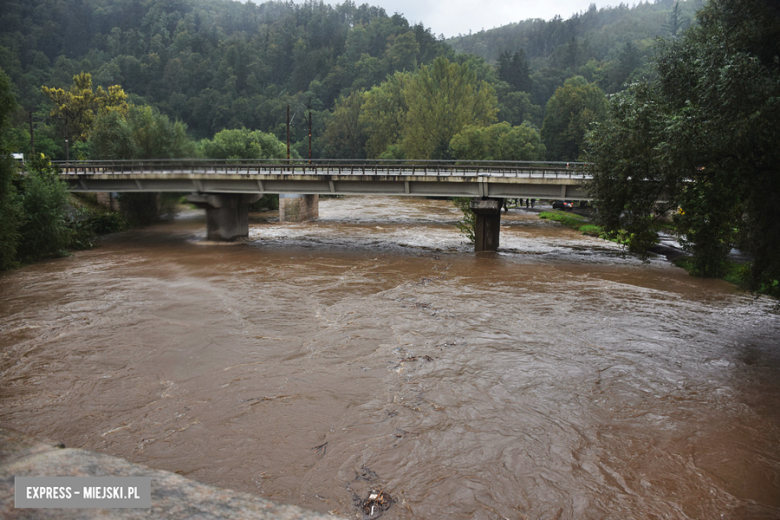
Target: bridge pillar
x: 488, y: 224
x: 227, y: 214
x: 298, y: 208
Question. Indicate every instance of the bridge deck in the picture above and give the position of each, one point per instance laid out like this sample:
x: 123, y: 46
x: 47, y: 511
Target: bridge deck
x: 441, y: 178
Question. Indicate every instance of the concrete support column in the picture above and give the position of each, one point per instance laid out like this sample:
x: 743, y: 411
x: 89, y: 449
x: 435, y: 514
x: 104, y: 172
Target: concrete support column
x: 227, y: 214
x: 298, y: 208
x: 488, y: 224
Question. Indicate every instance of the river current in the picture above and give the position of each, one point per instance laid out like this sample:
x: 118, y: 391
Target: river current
x: 372, y: 349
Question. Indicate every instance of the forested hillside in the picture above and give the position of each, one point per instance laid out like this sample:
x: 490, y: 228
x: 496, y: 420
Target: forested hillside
x: 213, y: 64
x: 607, y: 46
x: 219, y: 64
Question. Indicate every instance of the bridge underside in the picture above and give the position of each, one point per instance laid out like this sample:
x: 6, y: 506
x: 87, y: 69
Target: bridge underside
x: 226, y: 197
x: 497, y: 187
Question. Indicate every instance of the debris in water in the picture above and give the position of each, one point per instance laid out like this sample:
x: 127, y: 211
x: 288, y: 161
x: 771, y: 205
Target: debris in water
x: 365, y: 474
x: 415, y: 358
x: 376, y: 504
x: 321, y: 449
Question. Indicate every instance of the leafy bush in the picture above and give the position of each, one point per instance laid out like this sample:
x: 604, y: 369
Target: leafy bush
x: 44, y: 231
x: 467, y: 224
x: 82, y: 232
x: 85, y: 226
x: 109, y: 222
x: 11, y: 215
x: 10, y: 203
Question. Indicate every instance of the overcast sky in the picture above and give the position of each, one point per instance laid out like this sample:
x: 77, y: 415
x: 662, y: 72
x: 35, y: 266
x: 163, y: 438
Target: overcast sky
x: 451, y: 17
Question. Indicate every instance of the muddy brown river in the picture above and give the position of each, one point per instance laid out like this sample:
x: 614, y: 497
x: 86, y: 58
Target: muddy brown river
x: 372, y: 349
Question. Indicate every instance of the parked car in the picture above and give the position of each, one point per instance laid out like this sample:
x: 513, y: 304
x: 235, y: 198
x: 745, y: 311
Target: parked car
x: 563, y: 204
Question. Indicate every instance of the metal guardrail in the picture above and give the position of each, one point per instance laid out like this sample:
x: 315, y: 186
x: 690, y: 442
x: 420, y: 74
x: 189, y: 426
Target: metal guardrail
x: 369, y: 167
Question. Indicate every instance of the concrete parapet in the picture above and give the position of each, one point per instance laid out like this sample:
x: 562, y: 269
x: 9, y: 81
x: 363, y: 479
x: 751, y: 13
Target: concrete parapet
x: 488, y: 223
x: 173, y: 497
x: 298, y: 208
x: 227, y: 214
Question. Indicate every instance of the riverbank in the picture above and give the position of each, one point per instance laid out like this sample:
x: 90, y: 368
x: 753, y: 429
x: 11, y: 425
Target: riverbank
x: 580, y: 221
x: 173, y: 497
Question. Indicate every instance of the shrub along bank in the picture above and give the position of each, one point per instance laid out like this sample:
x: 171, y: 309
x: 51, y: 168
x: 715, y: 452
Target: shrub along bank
x: 45, y: 220
x: 736, y: 273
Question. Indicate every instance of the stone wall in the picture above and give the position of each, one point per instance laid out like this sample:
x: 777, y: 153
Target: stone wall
x: 298, y: 208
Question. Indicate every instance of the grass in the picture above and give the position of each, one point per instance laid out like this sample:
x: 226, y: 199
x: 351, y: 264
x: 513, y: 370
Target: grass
x: 574, y: 221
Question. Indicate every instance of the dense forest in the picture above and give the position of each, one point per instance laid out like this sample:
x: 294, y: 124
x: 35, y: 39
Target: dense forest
x: 218, y: 64
x: 607, y: 46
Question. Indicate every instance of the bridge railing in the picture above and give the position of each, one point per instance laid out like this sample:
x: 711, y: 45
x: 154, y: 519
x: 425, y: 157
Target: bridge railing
x: 368, y: 167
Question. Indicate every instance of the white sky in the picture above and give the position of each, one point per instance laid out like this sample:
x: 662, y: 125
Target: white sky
x: 451, y: 17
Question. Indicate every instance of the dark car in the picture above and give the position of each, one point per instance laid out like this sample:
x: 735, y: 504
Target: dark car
x: 563, y: 204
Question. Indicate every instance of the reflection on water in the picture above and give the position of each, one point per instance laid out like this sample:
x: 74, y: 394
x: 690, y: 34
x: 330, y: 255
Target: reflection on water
x: 372, y: 349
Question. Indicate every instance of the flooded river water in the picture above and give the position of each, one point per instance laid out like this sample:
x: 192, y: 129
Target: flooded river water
x: 372, y: 349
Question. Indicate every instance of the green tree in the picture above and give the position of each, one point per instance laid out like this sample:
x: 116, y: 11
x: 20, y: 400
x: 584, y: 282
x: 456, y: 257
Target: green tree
x: 401, y: 53
x: 244, y: 144
x: 498, y: 142
x: 442, y: 99
x: 10, y: 205
x: 514, y: 70
x: 628, y: 60
x: 142, y: 133
x: 112, y: 138
x: 44, y: 231
x: 156, y: 136
x: 520, y: 143
x: 383, y: 114
x: 517, y: 108
x: 346, y: 134
x: 78, y: 106
x: 630, y: 172
x: 720, y: 82
x: 676, y: 22
x: 568, y: 117
x: 714, y: 110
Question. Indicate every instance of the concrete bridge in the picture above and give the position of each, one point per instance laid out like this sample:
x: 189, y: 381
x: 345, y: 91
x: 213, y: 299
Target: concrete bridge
x: 225, y: 188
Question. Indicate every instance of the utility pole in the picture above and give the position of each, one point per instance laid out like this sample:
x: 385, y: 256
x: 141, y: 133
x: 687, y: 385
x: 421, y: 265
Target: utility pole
x: 32, y: 137
x: 309, y: 131
x: 288, y: 132
x: 67, y: 152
